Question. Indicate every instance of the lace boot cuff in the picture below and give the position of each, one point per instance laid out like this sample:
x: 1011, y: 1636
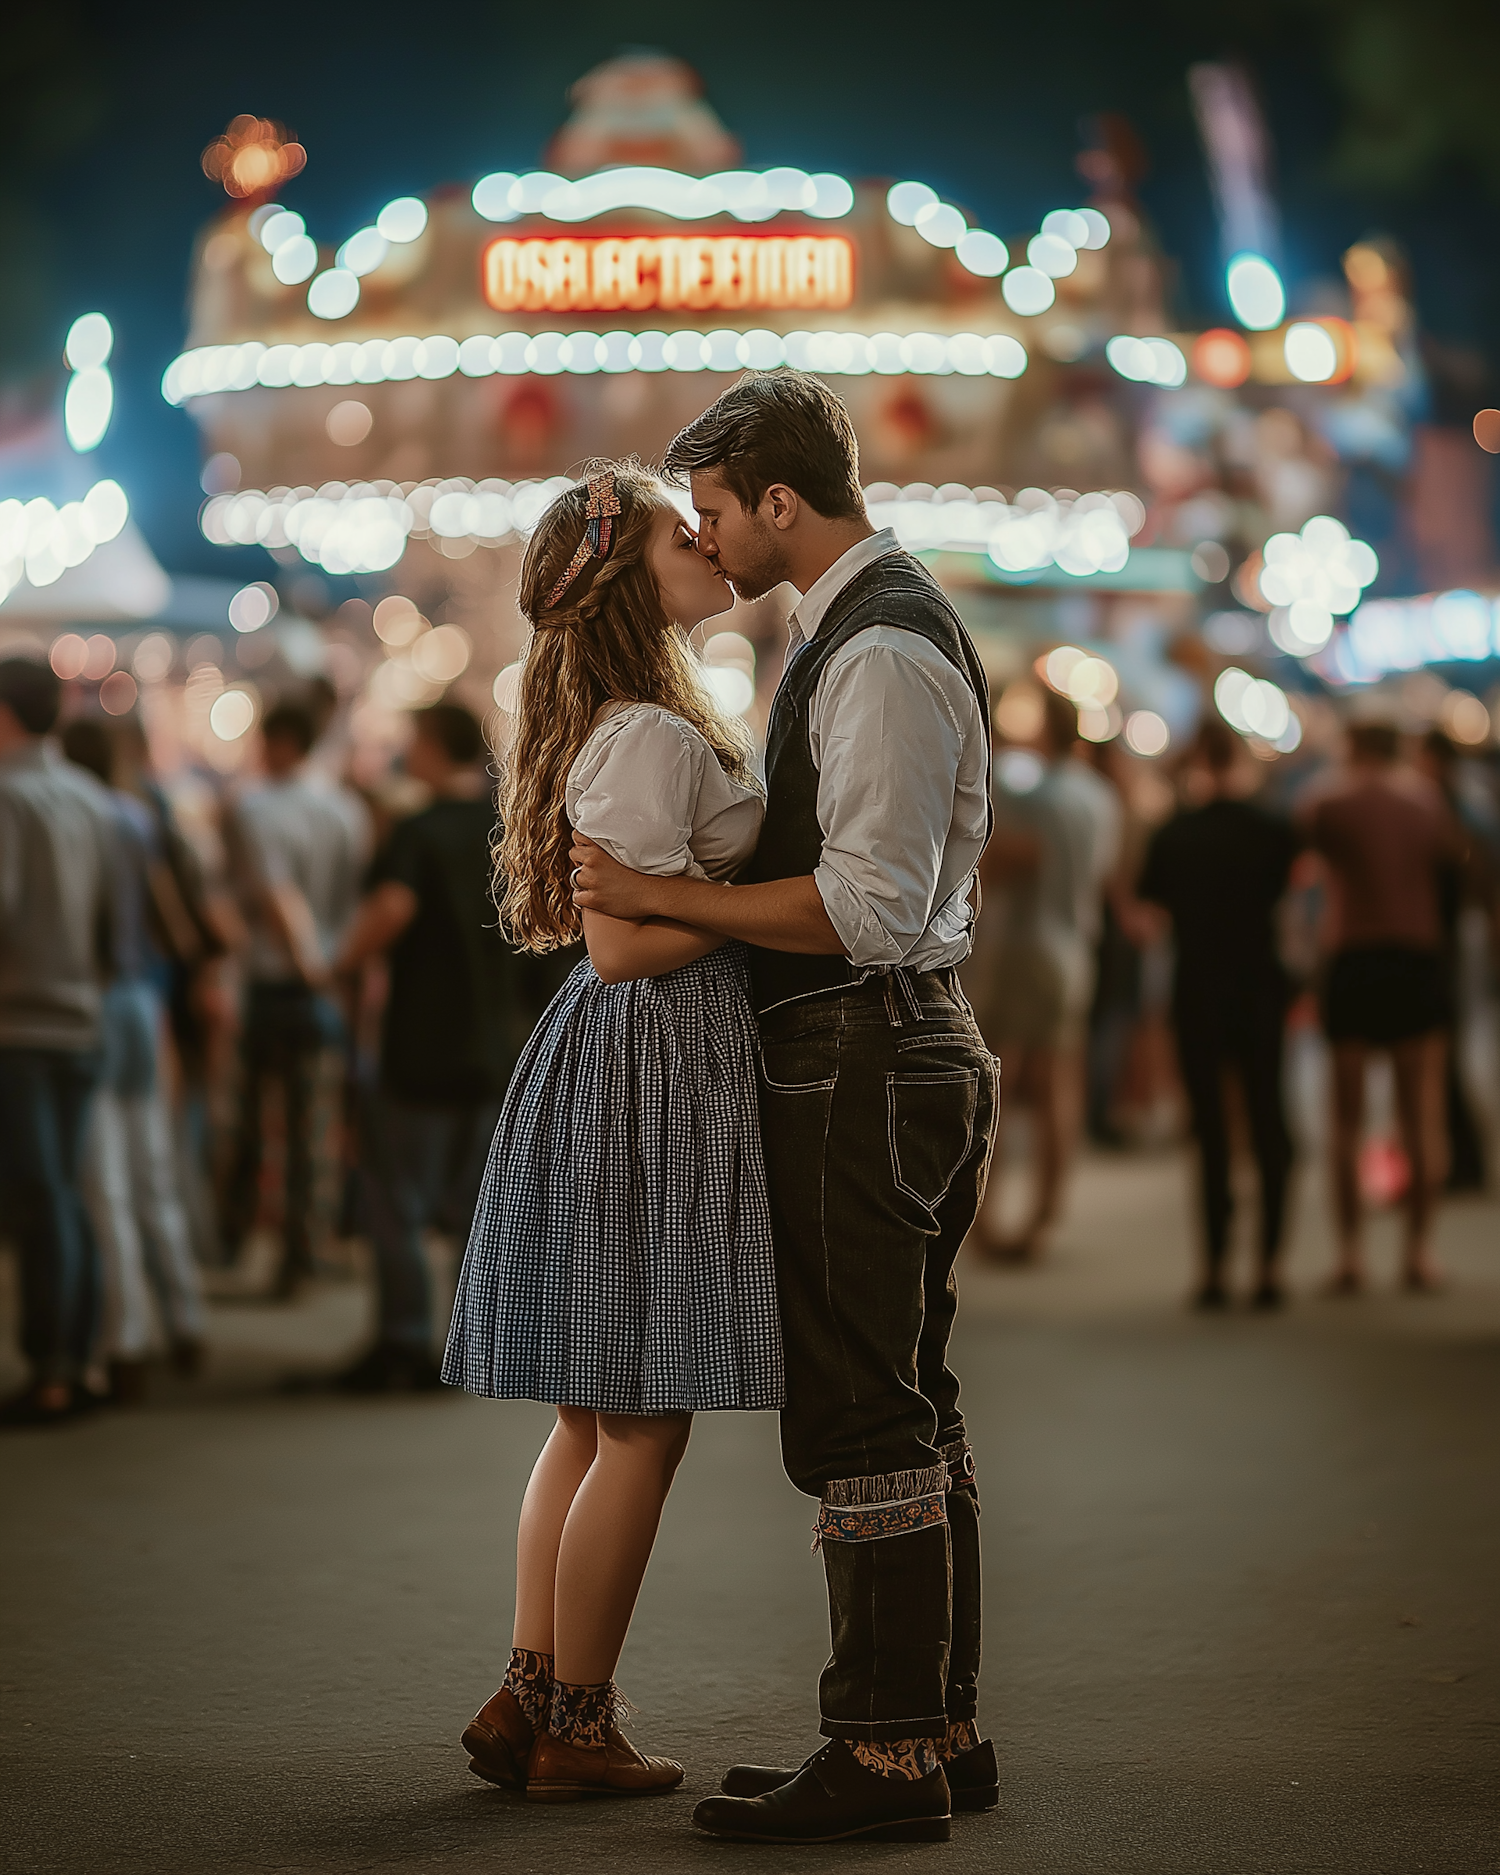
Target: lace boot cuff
x: 529, y: 1680
x: 585, y: 1715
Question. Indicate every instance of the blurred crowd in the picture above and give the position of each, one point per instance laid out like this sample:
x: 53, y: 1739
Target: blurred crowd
x: 1268, y: 956
x: 231, y: 1039
x: 245, y: 1024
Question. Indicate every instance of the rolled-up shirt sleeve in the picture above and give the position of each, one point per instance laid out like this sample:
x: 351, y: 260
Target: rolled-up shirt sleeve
x: 633, y: 791
x: 888, y: 746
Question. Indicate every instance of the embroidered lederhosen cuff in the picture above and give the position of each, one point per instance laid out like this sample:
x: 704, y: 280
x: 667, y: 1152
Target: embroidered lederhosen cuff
x: 867, y: 1510
x: 958, y: 1462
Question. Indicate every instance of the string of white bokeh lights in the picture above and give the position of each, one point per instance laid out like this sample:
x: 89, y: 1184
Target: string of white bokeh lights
x: 364, y: 527
x: 207, y: 370
x: 39, y: 541
x: 747, y: 195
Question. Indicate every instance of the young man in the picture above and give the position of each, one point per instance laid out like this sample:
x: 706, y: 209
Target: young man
x: 299, y: 845
x: 456, y: 1020
x: 1390, y: 844
x: 878, y: 1100
x: 1220, y: 869
x: 130, y: 1178
x: 56, y: 904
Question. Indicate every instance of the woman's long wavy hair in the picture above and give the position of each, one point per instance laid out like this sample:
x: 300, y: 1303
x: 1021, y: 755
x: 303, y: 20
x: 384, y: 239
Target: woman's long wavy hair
x: 607, y: 640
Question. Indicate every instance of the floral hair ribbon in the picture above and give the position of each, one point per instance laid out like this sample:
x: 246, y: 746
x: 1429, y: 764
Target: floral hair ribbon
x: 598, y: 534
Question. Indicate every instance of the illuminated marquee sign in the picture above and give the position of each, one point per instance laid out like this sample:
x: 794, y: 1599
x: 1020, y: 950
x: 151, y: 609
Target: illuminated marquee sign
x: 728, y: 272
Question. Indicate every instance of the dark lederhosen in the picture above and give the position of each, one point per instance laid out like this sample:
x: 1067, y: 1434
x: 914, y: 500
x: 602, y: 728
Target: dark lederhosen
x: 878, y: 1108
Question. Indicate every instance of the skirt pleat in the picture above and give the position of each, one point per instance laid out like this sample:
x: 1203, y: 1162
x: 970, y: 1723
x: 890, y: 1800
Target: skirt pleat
x: 620, y: 1257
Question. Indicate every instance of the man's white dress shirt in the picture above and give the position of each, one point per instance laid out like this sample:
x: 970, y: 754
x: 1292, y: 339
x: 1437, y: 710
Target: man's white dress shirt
x: 901, y: 748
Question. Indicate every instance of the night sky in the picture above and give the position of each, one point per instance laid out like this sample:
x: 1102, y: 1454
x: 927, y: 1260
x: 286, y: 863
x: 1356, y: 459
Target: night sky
x: 104, y: 112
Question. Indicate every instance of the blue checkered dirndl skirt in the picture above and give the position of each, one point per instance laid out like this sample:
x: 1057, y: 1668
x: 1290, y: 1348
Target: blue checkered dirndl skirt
x: 620, y: 1257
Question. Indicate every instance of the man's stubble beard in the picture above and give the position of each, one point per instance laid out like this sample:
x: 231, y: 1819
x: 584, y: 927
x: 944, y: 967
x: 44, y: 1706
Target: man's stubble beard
x: 762, y: 569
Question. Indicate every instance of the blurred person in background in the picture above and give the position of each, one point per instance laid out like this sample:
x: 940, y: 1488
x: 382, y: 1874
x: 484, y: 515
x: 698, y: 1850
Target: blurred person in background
x: 1466, y: 889
x: 194, y: 927
x: 56, y: 919
x: 1387, y: 839
x: 131, y: 1180
x: 1132, y: 1086
x: 298, y: 846
x: 1055, y: 842
x: 456, y: 1018
x: 320, y: 698
x: 1114, y: 1020
x: 1219, y: 869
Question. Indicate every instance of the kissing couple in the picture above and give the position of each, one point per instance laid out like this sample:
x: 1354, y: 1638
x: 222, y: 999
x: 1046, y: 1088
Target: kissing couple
x: 740, y: 1153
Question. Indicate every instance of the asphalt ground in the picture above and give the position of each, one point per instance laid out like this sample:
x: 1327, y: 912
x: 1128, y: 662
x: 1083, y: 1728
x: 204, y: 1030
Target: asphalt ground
x: 1241, y: 1579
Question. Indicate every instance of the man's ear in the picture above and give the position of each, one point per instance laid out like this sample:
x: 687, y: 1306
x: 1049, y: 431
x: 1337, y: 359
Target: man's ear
x: 784, y: 503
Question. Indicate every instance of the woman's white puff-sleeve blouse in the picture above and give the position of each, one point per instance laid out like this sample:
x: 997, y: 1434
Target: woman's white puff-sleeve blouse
x: 650, y: 791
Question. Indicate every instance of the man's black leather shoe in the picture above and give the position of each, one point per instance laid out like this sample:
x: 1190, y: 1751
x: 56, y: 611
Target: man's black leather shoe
x: 833, y: 1798
x: 973, y: 1778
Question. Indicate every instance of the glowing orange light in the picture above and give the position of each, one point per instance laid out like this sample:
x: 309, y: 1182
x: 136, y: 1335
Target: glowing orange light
x: 253, y: 157
x: 1221, y: 357
x: 674, y: 272
x: 68, y: 656
x: 100, y: 652
x: 117, y: 693
x: 1367, y: 269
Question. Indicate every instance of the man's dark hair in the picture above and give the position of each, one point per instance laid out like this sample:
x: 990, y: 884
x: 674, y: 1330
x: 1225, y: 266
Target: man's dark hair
x: 32, y: 692
x: 776, y: 426
x: 90, y: 744
x: 1374, y: 742
x: 290, y: 722
x: 454, y: 729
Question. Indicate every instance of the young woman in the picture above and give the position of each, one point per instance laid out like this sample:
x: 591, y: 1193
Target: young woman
x: 620, y: 1261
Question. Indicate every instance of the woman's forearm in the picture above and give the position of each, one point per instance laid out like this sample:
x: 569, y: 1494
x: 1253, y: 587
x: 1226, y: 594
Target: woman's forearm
x: 623, y: 952
x: 780, y: 914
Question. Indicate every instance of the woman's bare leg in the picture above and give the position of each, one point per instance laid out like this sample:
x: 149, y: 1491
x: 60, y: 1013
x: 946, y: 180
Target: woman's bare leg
x: 560, y: 1469
x: 1348, y: 1124
x: 607, y: 1538
x: 1420, y: 1095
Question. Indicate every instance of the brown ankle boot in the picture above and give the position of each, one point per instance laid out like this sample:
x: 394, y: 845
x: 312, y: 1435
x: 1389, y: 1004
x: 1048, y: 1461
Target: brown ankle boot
x: 499, y: 1740
x: 562, y: 1773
